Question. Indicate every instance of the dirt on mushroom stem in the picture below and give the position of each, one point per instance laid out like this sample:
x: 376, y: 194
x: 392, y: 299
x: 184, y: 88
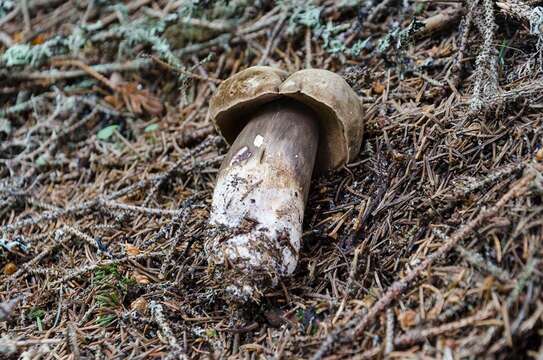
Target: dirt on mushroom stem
x: 259, y: 199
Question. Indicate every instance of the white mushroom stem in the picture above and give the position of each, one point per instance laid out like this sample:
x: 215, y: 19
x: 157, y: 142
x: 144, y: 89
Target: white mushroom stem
x: 259, y: 198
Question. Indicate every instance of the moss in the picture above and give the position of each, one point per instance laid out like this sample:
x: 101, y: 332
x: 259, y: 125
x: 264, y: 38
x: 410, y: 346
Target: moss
x: 106, y: 320
x: 101, y: 273
x: 37, y: 315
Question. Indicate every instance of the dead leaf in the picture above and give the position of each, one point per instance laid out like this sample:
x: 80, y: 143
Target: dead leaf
x: 141, y: 279
x: 407, y: 319
x: 130, y: 94
x: 539, y: 155
x: 114, y: 101
x: 39, y: 39
x: 139, y: 305
x: 377, y: 87
x: 132, y: 250
x: 10, y: 268
x: 137, y: 100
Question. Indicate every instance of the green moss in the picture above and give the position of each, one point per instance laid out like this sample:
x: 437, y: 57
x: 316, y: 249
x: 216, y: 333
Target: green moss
x: 103, y: 272
x: 108, y: 299
x: 37, y: 315
x: 211, y: 333
x: 106, y: 320
x: 125, y: 283
x: 300, y: 315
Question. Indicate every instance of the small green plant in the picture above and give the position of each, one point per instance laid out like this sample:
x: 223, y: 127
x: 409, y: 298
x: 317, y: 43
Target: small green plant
x: 314, y: 329
x: 109, y: 299
x: 125, y: 283
x: 106, y: 320
x: 300, y: 315
x: 37, y: 315
x: 151, y: 128
x: 107, y: 132
x: 112, y: 288
x: 211, y: 333
x: 104, y: 271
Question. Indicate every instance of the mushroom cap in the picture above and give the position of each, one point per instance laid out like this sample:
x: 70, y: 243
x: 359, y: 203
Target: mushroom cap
x: 241, y: 94
x: 339, y: 111
x: 341, y: 116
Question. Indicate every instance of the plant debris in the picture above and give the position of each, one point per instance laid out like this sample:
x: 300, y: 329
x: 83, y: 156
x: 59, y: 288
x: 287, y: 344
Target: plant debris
x: 428, y: 244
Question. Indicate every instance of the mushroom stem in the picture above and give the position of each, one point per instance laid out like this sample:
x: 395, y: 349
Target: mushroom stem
x: 259, y: 198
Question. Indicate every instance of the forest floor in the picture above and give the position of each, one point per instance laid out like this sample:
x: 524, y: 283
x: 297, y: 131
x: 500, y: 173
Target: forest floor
x: 427, y: 245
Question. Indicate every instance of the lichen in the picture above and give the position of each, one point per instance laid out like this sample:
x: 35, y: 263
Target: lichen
x: 308, y: 14
x: 6, y: 6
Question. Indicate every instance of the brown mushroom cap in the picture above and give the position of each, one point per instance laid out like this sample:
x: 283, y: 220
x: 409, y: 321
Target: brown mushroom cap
x: 241, y: 94
x: 340, y: 112
x: 341, y: 117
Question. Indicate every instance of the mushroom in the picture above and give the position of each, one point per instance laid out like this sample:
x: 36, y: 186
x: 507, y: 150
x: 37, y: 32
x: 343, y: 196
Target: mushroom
x: 280, y: 128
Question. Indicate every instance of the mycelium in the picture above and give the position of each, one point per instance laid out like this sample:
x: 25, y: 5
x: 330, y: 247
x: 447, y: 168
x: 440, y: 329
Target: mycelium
x: 280, y: 128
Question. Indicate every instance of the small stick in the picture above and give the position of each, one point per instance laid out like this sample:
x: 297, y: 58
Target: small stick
x: 166, y: 229
x: 10, y: 16
x: 130, y: 7
x: 185, y: 72
x: 377, y: 10
x: 8, y: 346
x: 72, y: 341
x: 60, y: 238
x: 420, y: 335
x: 389, y: 337
x: 52, y: 142
x: 165, y: 176
x: 477, y: 260
x: 486, y: 81
x: 26, y: 16
x: 140, y: 209
x: 91, y: 71
x: 440, y: 21
x: 87, y: 238
x: 272, y: 39
x: 176, y: 350
x: 308, y: 53
x: 516, y: 9
x: 55, y: 74
x: 181, y: 220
